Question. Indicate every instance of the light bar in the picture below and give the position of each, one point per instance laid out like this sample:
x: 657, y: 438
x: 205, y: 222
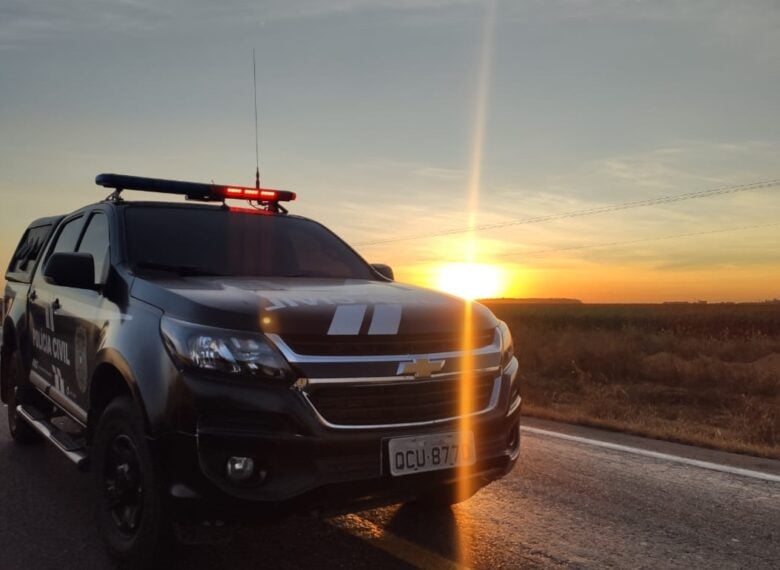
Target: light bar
x: 192, y: 190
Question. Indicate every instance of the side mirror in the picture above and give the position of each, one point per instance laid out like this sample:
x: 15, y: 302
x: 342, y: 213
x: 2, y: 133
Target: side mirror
x: 384, y: 270
x: 76, y: 270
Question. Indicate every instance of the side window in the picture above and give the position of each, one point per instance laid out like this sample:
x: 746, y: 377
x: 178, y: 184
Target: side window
x: 69, y: 235
x: 95, y: 242
x: 23, y: 261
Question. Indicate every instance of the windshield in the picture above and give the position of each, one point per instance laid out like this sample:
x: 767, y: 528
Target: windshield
x: 220, y: 242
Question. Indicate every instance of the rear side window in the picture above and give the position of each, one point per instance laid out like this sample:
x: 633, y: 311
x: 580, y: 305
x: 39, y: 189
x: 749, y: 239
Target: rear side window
x: 28, y: 252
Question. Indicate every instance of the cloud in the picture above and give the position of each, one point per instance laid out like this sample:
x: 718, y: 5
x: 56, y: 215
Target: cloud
x: 737, y: 14
x: 753, y: 22
x: 438, y: 204
x: 30, y: 20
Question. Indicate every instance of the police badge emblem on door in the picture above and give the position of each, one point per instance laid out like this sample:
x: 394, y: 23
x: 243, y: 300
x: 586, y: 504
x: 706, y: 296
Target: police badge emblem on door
x: 80, y: 347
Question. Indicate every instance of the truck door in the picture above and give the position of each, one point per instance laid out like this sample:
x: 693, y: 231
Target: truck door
x: 51, y: 321
x: 94, y: 313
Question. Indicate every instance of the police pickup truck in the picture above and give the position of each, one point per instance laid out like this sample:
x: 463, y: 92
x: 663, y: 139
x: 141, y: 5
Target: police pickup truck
x: 202, y: 359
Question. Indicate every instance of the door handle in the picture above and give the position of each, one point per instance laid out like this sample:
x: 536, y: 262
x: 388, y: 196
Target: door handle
x: 55, y: 306
x: 33, y: 295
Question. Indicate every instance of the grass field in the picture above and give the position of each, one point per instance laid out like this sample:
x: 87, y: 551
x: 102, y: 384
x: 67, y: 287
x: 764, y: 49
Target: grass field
x: 701, y: 374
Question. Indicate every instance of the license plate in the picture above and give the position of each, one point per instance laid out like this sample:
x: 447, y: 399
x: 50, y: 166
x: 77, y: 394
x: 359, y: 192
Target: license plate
x: 431, y: 452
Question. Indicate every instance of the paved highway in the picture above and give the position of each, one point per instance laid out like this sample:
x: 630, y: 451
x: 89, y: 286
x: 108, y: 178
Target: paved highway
x: 570, y: 503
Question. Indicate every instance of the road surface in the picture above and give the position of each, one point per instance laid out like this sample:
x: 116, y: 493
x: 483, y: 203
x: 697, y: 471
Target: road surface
x: 569, y: 504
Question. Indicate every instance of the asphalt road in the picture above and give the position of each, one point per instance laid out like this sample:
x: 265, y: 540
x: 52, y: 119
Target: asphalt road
x: 568, y: 504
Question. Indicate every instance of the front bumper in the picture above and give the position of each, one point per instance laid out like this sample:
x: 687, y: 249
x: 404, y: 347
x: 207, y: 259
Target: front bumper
x: 303, y: 465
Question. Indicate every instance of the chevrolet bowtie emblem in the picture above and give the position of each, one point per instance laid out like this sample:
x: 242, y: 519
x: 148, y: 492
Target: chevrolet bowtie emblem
x: 420, y: 367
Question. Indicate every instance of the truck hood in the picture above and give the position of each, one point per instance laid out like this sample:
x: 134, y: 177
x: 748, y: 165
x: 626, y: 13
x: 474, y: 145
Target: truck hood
x: 311, y: 307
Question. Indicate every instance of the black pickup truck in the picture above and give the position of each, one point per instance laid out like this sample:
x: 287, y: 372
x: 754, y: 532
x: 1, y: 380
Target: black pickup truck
x: 203, y: 360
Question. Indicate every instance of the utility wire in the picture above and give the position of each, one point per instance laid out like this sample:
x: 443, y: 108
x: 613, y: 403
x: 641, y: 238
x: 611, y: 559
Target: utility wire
x: 589, y: 211
x: 633, y: 241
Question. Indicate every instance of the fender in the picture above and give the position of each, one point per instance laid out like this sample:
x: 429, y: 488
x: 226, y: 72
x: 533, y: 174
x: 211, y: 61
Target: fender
x: 134, y: 349
x: 117, y: 362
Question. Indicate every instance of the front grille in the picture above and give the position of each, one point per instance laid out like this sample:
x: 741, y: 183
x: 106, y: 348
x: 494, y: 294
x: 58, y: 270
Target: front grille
x: 399, y: 402
x: 382, y: 345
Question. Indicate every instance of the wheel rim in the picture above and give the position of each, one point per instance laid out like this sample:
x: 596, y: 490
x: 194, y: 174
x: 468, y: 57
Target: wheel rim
x: 123, y: 484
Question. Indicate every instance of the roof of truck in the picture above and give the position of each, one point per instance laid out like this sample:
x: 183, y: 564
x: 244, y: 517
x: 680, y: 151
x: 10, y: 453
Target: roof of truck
x: 49, y: 221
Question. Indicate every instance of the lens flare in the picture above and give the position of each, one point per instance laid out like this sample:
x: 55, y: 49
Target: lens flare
x: 465, y: 472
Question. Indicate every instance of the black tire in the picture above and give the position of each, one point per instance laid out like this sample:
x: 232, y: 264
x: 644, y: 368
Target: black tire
x: 130, y: 512
x: 19, y: 390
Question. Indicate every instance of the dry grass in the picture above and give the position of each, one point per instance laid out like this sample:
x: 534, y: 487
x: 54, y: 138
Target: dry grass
x: 702, y: 374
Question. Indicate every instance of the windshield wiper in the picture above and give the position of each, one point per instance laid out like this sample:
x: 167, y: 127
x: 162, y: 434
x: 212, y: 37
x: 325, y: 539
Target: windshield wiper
x: 182, y: 270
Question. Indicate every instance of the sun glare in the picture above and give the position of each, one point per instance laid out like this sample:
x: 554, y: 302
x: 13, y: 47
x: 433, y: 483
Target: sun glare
x: 470, y: 280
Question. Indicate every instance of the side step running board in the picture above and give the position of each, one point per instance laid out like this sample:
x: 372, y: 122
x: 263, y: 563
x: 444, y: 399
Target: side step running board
x: 72, y: 449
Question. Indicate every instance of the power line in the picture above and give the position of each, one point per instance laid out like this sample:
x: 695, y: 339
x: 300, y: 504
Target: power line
x: 629, y: 242
x: 589, y: 211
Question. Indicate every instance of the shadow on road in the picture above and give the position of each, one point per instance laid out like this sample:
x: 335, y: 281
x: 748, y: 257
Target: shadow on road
x: 434, y: 529
x: 46, y: 521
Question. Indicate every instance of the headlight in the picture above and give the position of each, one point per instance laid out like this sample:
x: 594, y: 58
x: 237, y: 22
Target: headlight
x: 507, y: 346
x: 222, y: 350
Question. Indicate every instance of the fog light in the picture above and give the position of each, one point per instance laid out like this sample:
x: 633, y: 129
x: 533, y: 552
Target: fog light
x: 240, y: 468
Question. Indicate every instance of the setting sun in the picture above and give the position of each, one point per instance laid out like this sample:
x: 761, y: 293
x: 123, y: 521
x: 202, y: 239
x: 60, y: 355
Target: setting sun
x: 470, y: 280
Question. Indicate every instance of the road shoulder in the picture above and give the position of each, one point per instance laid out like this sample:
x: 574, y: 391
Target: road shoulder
x: 689, y: 452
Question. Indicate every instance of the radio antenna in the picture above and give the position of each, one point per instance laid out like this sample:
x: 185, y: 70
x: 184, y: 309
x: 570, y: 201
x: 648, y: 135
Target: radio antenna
x: 257, y: 143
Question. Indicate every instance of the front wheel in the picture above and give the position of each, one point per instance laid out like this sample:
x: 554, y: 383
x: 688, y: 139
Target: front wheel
x: 130, y: 512
x: 20, y: 430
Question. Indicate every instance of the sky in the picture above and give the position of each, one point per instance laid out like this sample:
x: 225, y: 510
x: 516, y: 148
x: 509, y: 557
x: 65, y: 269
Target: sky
x: 395, y: 120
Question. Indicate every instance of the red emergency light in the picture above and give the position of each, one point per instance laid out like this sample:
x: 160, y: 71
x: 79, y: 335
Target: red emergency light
x: 260, y: 194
